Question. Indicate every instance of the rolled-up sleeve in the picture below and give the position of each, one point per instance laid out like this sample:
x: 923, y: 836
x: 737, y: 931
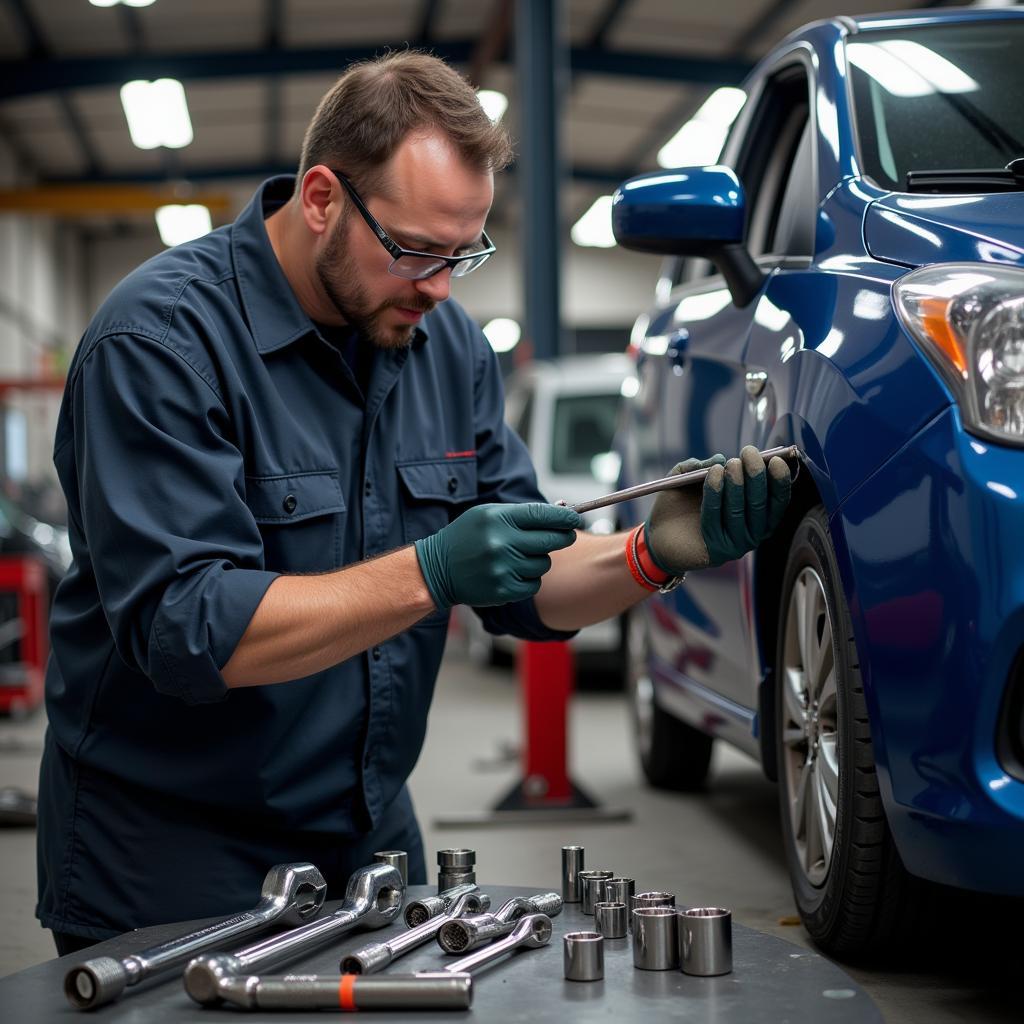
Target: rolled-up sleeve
x: 175, y: 550
x: 504, y: 473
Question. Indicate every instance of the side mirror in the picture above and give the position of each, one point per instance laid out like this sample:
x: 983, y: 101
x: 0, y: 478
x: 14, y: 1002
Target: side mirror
x: 692, y: 211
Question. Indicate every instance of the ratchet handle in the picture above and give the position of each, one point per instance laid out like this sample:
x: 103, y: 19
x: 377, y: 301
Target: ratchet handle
x: 791, y: 453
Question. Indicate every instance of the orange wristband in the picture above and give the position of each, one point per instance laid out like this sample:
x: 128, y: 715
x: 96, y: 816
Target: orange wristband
x: 640, y: 563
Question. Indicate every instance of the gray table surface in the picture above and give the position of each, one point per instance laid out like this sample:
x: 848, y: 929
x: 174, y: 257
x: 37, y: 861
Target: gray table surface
x: 772, y: 981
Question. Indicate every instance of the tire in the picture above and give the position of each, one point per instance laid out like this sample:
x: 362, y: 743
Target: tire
x: 852, y: 892
x: 673, y: 755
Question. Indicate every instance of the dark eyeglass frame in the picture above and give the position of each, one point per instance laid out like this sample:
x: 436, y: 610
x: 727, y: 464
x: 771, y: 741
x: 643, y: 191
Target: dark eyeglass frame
x: 458, y: 265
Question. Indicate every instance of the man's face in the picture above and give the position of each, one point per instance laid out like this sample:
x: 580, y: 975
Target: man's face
x: 433, y: 203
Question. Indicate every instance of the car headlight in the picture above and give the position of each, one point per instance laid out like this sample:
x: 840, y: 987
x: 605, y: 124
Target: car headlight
x: 969, y: 320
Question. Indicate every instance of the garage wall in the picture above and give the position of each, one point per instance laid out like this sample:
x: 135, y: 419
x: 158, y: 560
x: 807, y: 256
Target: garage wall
x: 42, y: 315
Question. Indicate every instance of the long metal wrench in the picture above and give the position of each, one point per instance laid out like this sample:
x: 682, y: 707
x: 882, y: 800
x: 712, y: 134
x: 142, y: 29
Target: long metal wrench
x: 466, y: 933
x: 530, y: 932
x: 292, y: 894
x: 426, y: 991
x: 373, y: 899
x: 423, y: 909
x: 375, y: 956
x: 667, y: 483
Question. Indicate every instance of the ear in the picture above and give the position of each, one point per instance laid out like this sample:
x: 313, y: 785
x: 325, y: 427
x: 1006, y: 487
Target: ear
x: 321, y: 199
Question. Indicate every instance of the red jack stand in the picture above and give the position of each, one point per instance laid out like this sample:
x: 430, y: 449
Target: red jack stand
x: 545, y: 793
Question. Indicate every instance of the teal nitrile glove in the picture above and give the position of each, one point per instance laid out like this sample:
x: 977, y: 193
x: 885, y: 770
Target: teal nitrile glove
x: 741, y: 503
x: 494, y: 554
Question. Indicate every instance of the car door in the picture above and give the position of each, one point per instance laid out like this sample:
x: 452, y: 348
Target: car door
x: 704, y: 630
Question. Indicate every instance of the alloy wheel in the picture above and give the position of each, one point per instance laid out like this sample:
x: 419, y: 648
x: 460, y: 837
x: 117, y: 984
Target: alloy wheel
x: 810, y: 725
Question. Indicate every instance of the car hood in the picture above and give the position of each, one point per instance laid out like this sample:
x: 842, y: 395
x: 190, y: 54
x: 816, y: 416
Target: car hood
x: 918, y: 230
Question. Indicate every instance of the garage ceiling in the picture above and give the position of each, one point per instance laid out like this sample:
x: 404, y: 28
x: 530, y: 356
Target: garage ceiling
x: 253, y: 71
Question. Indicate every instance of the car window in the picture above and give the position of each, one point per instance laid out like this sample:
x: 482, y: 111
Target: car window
x: 776, y: 165
x: 941, y: 97
x: 583, y: 427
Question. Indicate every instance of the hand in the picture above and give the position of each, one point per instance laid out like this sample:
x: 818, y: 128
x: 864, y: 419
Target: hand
x: 494, y: 554
x: 741, y: 504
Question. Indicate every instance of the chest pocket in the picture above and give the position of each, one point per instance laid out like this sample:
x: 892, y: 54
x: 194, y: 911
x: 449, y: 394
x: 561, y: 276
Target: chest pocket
x: 300, y: 519
x: 434, y: 492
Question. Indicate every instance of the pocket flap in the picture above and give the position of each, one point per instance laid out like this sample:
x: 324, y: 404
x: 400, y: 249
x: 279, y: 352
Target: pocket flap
x: 451, y: 480
x: 289, y: 499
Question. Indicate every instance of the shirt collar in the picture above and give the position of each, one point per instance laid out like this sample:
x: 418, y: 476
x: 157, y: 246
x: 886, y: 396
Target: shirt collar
x: 275, y: 317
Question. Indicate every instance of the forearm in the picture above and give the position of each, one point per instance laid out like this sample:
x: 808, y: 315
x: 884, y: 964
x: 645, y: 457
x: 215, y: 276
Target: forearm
x: 587, y: 583
x: 305, y: 624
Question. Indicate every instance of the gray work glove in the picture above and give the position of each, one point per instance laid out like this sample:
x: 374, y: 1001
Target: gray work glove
x: 494, y: 554
x: 740, y: 505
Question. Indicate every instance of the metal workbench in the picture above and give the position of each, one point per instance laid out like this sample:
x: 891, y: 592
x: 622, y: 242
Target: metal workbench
x: 772, y: 981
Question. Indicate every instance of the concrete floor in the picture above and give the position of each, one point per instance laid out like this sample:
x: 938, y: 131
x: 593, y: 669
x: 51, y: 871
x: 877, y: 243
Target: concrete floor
x: 721, y: 847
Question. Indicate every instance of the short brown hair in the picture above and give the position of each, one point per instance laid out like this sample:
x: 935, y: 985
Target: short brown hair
x: 374, y: 105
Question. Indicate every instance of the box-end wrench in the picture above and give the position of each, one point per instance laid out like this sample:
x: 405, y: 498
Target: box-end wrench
x: 530, y: 932
x: 375, y: 956
x: 292, y: 894
x: 427, y: 907
x: 790, y: 453
x: 428, y: 991
x: 466, y: 933
x: 373, y: 899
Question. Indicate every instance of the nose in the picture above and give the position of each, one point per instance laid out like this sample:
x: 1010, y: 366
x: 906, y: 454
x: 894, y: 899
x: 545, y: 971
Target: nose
x: 438, y: 287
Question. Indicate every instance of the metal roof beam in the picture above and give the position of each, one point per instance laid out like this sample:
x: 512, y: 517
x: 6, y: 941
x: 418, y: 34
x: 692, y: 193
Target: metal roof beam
x: 27, y: 76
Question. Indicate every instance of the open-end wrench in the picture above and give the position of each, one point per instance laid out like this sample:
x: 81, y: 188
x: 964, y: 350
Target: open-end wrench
x: 418, y: 911
x: 373, y: 899
x: 466, y: 933
x: 789, y: 452
x: 292, y: 894
x: 427, y: 991
x: 530, y: 932
x: 375, y: 956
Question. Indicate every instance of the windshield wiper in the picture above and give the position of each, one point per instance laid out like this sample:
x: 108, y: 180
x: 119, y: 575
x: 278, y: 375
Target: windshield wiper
x: 995, y: 179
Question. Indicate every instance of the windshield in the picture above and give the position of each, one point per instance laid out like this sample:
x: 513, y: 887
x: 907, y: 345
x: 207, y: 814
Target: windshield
x: 941, y: 98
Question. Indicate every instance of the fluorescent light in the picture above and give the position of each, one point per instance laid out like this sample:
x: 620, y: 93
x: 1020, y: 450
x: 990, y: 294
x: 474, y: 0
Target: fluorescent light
x: 127, y: 3
x: 157, y: 113
x: 178, y: 224
x: 104, y: 3
x: 699, y: 142
x: 494, y: 103
x: 502, y: 333
x: 595, y: 226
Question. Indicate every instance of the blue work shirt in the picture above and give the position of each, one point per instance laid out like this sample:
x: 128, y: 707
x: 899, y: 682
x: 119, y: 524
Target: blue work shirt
x: 210, y: 439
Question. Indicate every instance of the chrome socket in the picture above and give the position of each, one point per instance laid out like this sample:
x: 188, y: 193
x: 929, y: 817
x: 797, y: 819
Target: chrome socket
x: 610, y: 918
x: 397, y: 859
x: 705, y: 941
x: 649, y: 899
x: 655, y: 939
x: 583, y: 956
x: 455, y: 867
x: 592, y: 888
x: 572, y: 865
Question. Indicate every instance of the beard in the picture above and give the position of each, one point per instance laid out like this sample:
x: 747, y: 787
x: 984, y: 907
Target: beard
x: 338, y: 273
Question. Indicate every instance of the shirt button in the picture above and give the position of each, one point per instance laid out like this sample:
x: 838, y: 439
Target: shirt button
x: 376, y: 653
x: 367, y: 488
x: 290, y: 503
x: 453, y: 484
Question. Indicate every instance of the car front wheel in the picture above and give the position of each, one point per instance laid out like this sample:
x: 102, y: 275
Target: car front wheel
x: 851, y: 889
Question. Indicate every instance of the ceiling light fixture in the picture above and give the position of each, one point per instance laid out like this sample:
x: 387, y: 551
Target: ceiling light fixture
x: 157, y: 113
x: 178, y: 224
x: 699, y: 142
x: 594, y: 228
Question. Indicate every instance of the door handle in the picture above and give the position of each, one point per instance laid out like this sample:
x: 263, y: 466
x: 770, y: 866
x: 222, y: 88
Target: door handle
x: 756, y: 381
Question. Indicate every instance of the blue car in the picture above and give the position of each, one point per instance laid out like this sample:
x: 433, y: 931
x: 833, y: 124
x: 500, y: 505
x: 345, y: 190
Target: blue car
x: 851, y: 280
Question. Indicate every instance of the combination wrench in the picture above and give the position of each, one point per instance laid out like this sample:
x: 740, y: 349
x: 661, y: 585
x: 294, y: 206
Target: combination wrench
x: 292, y: 894
x: 423, y: 909
x: 466, y: 933
x: 530, y: 932
x: 373, y: 899
x: 375, y: 956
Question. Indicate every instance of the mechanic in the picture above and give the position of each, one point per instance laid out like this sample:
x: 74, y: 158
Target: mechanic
x: 285, y: 459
